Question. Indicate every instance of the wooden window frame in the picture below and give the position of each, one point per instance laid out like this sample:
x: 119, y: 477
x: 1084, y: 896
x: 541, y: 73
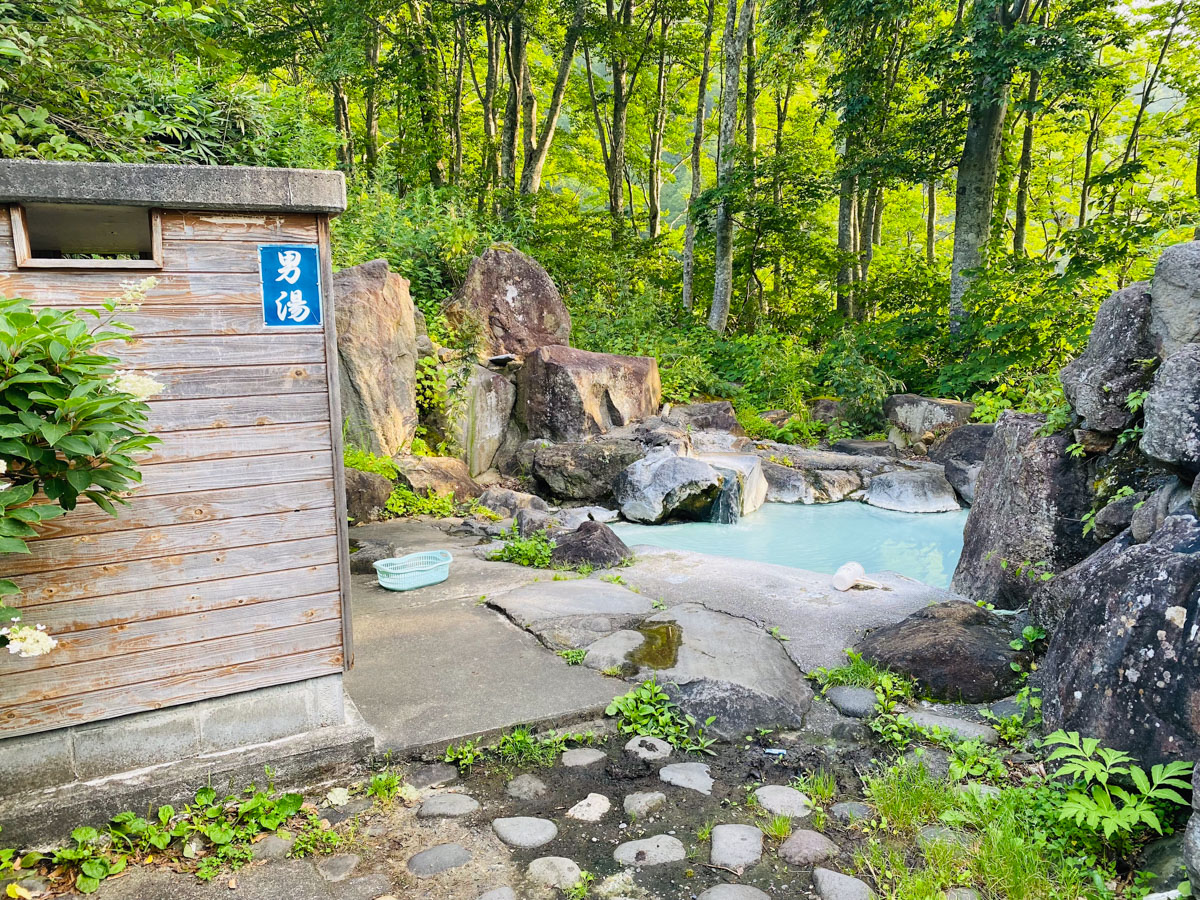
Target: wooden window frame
x: 26, y: 260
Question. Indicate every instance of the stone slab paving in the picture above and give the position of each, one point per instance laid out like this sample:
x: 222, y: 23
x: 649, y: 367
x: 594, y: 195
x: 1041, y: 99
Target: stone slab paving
x: 650, y: 749
x: 591, y: 808
x: 964, y: 730
x: 693, y: 776
x: 554, y: 871
x: 525, y: 832
x: 525, y: 787
x: 733, y: 892
x: 832, y: 885
x: 780, y: 800
x: 582, y: 756
x: 439, y: 859
x: 644, y: 803
x: 807, y: 848
x: 447, y: 806
x: 653, y: 851
x: 736, y: 847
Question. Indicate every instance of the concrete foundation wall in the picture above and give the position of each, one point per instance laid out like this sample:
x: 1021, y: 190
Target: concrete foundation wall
x: 85, y: 752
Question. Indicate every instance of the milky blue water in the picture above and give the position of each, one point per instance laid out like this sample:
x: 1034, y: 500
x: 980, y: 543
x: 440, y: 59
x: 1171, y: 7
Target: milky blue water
x: 822, y: 537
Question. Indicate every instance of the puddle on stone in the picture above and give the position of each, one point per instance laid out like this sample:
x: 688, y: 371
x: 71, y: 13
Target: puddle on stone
x: 660, y: 649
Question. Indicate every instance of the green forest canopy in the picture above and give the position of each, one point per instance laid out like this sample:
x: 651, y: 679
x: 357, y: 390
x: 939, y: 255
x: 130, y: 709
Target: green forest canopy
x: 780, y: 199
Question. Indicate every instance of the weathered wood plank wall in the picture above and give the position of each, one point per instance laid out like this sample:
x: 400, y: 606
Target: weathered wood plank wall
x: 223, y: 574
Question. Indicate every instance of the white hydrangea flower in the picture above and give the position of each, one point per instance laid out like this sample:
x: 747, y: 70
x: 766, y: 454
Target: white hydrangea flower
x: 27, y: 641
x: 141, y: 386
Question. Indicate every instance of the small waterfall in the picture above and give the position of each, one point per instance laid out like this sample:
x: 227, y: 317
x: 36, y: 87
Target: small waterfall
x: 727, y: 507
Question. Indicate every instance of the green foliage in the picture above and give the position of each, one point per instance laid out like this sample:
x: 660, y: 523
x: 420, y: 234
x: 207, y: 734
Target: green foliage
x: 384, y: 786
x: 533, y: 551
x: 580, y: 889
x: 819, y: 785
x: 647, y: 710
x: 573, y: 657
x: 520, y: 748
x: 404, y: 503
x: 858, y: 672
x: 366, y: 461
x: 777, y: 828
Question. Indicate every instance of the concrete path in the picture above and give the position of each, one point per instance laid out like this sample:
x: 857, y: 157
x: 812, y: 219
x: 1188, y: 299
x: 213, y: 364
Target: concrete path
x: 435, y: 665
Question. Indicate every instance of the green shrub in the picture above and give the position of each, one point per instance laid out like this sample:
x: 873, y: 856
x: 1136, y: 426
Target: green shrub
x: 366, y: 461
x: 647, y: 710
x: 404, y: 503
x: 533, y: 551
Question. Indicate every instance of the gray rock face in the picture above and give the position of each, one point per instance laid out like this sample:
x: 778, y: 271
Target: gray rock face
x: 733, y: 892
x: 1175, y: 298
x: 1172, y: 429
x: 780, y: 800
x: 567, y: 614
x: 525, y: 832
x: 736, y: 847
x: 961, y: 453
x: 1029, y: 503
x: 569, y: 395
x: 858, y: 702
x: 433, y: 775
x: 1124, y: 664
x: 1098, y: 383
x: 648, y: 748
x: 525, y: 787
x: 613, y: 651
x: 507, y: 504
x: 1191, y: 846
x: 955, y: 650
x: 448, y: 806
x: 832, y: 885
x: 377, y: 356
x: 582, y: 756
x: 338, y: 867
x: 912, y: 490
x: 807, y: 848
x: 554, y: 871
x: 584, y: 470
x: 865, y: 448
x: 913, y: 415
x: 1116, y: 517
x: 693, y: 776
x: 481, y: 420
x: 439, y: 859
x: 746, y: 470
x: 439, y: 474
x: 718, y: 415
x: 645, y: 803
x: 515, y: 302
x: 789, y: 484
x: 663, y: 486
x: 593, y: 544
x: 728, y: 668
x: 850, y: 811
x: 961, y: 728
x: 366, y: 495
x: 1168, y: 500
x: 654, y: 851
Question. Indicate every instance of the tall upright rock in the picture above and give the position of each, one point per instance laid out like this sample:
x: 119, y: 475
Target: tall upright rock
x: 377, y: 356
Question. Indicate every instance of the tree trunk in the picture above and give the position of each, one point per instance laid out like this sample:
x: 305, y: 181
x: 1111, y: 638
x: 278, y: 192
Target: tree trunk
x: 689, y: 240
x: 654, y: 183
x: 619, y: 69
x: 847, y: 243
x: 1196, y: 236
x: 427, y: 79
x: 341, y: 124
x: 1089, y: 153
x: 515, y: 65
x: 370, y: 101
x: 737, y: 32
x: 781, y: 111
x: 931, y: 222
x: 531, y: 177
x: 460, y: 52
x: 1025, y: 167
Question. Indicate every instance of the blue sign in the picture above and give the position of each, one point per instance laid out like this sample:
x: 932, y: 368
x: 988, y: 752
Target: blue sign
x: 291, y: 285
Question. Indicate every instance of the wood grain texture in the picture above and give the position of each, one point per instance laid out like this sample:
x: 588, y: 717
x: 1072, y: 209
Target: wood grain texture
x: 192, y: 321
x: 267, y: 228
x: 205, y: 383
x: 211, y: 256
x: 159, y: 603
x: 125, y: 576
x: 92, y: 289
x: 235, y: 472
x: 156, y: 511
x: 223, y: 443
x: 131, y: 638
x: 205, y: 351
x: 171, y: 689
x: 237, y: 412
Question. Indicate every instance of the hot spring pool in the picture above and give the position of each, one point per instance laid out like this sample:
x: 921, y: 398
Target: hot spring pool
x: 822, y: 537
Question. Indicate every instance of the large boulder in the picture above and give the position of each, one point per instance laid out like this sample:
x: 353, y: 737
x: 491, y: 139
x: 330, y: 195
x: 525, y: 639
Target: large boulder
x: 1175, y: 298
x: 1123, y: 666
x: 507, y: 504
x: 569, y: 395
x: 377, y: 357
x: 513, y: 300
x: 593, y: 544
x: 923, y: 490
x: 727, y: 667
x: 715, y: 416
x: 1172, y: 429
x: 437, y: 474
x: 366, y: 495
x: 1167, y: 500
x: 961, y: 454
x: 481, y: 419
x: 584, y: 470
x: 1191, y: 837
x: 1029, y: 504
x: 746, y: 470
x: 793, y: 484
x: 912, y: 415
x: 663, y: 486
x: 1098, y: 383
x: 956, y: 651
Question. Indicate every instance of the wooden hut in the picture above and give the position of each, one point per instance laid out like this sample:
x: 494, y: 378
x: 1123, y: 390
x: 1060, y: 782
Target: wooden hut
x: 212, y: 613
